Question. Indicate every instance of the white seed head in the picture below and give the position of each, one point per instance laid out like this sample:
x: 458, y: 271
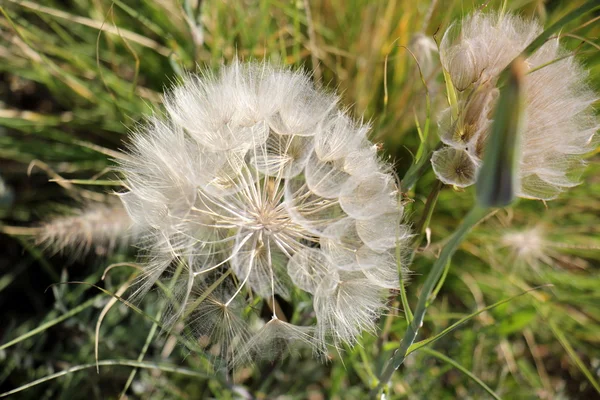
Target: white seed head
x: 425, y: 51
x: 479, y: 47
x: 536, y: 249
x: 529, y: 246
x: 255, y: 173
x: 560, y: 123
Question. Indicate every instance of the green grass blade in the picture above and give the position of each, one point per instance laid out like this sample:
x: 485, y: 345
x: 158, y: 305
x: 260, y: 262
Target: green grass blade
x: 51, y: 323
x: 548, y: 32
x: 498, y: 179
x: 573, y: 355
x: 461, y: 321
x: 558, y: 25
x: 181, y: 339
x: 125, y: 363
x: 469, y: 222
x: 152, y: 332
x: 462, y: 369
x: 98, y: 25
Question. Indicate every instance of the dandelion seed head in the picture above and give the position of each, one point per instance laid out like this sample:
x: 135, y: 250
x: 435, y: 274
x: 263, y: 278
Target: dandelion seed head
x: 529, y: 246
x: 524, y: 242
x: 560, y: 123
x: 255, y: 172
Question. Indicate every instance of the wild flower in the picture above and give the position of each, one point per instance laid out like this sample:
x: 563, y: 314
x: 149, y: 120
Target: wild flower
x: 255, y: 183
x: 560, y: 124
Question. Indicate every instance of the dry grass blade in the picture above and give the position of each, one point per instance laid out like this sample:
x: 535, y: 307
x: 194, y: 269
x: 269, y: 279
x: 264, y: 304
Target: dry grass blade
x: 112, y: 29
x: 105, y: 311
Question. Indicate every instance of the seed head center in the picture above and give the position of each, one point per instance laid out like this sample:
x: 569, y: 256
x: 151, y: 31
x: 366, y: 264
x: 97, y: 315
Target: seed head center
x: 268, y: 218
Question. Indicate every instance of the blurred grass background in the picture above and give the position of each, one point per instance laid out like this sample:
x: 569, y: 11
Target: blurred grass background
x: 76, y: 75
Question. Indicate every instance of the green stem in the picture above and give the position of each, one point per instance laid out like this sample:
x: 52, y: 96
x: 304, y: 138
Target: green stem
x: 417, y: 169
x: 126, y: 363
x: 427, y: 213
x: 462, y: 369
x: 414, y: 172
x: 474, y: 216
x: 558, y: 25
x: 588, y: 6
x: 51, y: 323
x: 150, y: 336
x: 420, y: 230
x: 440, y: 283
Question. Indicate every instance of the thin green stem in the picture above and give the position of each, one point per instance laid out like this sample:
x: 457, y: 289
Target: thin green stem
x: 423, y: 223
x: 151, y: 334
x: 440, y: 283
x: 404, y: 299
x: 465, y: 371
x: 417, y: 169
x: 573, y: 355
x: 547, y: 33
x: 420, y: 231
x: 429, y: 207
x: 126, y: 363
x: 51, y: 323
x: 474, y: 216
x: 558, y: 25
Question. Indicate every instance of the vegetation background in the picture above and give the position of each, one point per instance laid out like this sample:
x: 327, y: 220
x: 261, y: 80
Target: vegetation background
x: 76, y: 75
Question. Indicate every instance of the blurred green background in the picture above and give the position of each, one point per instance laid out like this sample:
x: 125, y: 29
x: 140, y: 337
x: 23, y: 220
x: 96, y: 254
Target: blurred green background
x: 76, y: 75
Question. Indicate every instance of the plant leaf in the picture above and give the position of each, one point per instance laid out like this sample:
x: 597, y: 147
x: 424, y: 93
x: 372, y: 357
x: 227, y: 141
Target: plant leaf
x: 425, y: 342
x: 462, y: 369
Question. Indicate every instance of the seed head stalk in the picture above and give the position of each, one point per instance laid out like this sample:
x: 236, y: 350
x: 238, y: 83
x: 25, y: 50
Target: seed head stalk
x: 472, y: 218
x: 497, y: 168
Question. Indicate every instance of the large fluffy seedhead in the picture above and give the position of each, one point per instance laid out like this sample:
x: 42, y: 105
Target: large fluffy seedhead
x: 255, y: 173
x: 560, y: 124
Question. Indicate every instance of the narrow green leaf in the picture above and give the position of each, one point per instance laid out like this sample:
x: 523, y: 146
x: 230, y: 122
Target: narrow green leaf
x: 558, y: 25
x: 498, y: 179
x: 474, y: 216
x: 538, y: 42
x: 51, y: 323
x: 462, y: 369
x: 469, y: 317
x: 573, y: 354
x: 125, y: 363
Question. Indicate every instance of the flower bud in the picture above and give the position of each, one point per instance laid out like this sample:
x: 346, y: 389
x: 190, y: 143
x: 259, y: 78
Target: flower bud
x: 462, y: 66
x: 454, y: 166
